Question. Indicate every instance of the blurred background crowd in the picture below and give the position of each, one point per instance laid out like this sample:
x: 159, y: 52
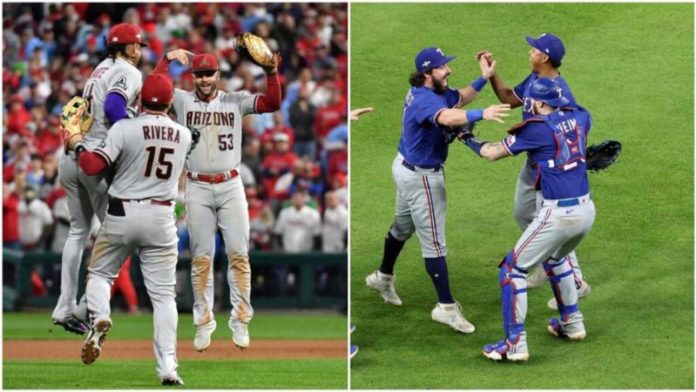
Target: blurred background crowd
x: 294, y: 160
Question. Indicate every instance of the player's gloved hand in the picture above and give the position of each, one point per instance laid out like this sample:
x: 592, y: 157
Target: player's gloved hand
x: 75, y: 121
x: 254, y: 48
x: 600, y: 156
x: 496, y: 112
x: 181, y: 55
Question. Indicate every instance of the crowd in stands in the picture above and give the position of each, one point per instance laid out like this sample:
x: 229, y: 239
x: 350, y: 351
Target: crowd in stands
x: 295, y: 162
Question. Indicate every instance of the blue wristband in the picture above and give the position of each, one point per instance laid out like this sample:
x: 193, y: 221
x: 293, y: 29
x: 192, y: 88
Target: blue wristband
x: 475, y: 145
x: 474, y: 115
x: 479, y: 83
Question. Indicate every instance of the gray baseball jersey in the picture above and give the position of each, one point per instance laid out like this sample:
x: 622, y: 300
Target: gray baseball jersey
x: 220, y: 205
x: 111, y: 75
x: 149, y: 152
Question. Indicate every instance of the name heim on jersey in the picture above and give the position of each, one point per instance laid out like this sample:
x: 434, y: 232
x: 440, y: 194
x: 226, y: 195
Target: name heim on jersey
x: 202, y: 119
x: 153, y: 132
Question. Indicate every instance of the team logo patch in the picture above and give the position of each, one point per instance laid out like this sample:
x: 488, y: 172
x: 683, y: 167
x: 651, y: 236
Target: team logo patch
x: 440, y: 51
x: 426, y: 63
x: 102, y: 144
x: 121, y: 83
x: 205, y: 62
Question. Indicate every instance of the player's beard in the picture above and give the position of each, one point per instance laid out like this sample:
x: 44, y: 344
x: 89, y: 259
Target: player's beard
x: 212, y: 90
x: 440, y: 86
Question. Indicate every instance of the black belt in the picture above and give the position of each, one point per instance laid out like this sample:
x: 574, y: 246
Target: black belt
x: 413, y: 168
x: 116, y: 205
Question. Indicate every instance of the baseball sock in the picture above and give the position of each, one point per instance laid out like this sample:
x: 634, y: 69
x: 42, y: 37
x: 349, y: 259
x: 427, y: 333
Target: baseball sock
x: 392, y: 248
x: 437, y: 269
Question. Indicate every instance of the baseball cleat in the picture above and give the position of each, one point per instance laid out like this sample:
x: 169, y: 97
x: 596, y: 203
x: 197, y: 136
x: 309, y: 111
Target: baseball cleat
x: 384, y: 284
x: 240, y: 333
x: 353, y: 350
x: 451, y: 314
x: 91, y: 348
x: 202, y: 339
x: 537, y: 278
x: 508, y: 350
x: 583, y: 291
x: 72, y: 324
x: 172, y: 381
x: 572, y: 331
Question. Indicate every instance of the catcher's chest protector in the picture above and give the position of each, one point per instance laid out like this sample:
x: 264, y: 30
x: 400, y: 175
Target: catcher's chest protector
x: 570, y: 134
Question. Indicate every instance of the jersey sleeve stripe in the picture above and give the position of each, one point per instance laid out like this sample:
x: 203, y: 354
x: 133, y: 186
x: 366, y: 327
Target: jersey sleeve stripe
x: 119, y: 91
x: 104, y: 155
x: 517, y: 96
x: 506, y: 148
x: 437, y: 114
x: 256, y: 102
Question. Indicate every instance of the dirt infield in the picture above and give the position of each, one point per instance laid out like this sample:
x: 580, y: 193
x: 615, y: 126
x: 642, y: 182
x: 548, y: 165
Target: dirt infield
x: 142, y: 349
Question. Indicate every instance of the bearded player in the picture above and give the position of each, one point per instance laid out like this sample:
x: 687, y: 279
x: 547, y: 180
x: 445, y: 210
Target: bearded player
x: 113, y: 90
x: 215, y: 195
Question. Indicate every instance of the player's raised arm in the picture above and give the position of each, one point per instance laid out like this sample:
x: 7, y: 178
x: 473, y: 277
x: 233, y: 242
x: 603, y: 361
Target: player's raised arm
x: 459, y: 117
x: 270, y: 101
x: 503, y: 92
x: 470, y: 92
x: 181, y: 55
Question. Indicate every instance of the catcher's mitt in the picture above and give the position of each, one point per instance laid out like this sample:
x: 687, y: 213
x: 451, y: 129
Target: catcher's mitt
x: 462, y: 133
x: 600, y: 156
x: 75, y: 121
x: 255, y: 48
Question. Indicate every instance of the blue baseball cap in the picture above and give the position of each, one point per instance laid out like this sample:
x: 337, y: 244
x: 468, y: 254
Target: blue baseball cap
x: 548, y: 92
x: 430, y: 58
x: 551, y: 45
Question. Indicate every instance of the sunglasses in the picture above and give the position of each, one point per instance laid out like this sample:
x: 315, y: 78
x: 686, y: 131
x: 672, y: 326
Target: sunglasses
x: 206, y: 74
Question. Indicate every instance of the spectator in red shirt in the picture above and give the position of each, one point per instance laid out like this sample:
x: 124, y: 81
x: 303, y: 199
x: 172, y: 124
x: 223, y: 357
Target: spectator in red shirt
x: 329, y: 116
x: 18, y: 116
x: 10, y: 218
x: 280, y: 161
x: 49, y: 139
x: 279, y: 127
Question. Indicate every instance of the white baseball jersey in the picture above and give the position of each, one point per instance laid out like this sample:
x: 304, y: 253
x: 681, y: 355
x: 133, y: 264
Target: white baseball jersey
x: 149, y: 153
x: 111, y: 75
x: 334, y: 229
x: 298, y: 227
x: 220, y: 125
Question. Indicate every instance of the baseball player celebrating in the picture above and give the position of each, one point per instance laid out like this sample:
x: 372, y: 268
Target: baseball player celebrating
x: 215, y: 195
x: 545, y: 57
x: 430, y: 108
x: 148, y: 153
x: 112, y: 91
x: 555, y: 139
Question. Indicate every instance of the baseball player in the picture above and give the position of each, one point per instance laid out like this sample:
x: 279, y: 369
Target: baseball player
x: 545, y: 57
x: 148, y: 153
x: 554, y: 138
x: 113, y: 91
x: 430, y: 108
x: 215, y: 195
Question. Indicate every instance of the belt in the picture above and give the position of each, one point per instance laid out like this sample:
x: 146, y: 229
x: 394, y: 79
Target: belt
x: 213, y: 178
x: 568, y: 202
x: 115, y: 207
x: 152, y: 201
x: 413, y: 167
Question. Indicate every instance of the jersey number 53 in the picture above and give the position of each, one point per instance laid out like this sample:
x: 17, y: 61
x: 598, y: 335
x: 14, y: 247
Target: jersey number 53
x: 225, y: 142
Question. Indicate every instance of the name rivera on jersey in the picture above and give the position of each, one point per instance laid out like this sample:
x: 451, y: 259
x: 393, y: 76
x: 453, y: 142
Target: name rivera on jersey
x: 202, y: 119
x: 160, y: 133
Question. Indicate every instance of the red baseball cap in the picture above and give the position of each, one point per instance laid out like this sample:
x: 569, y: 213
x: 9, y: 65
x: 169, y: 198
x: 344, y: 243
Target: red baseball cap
x: 204, y: 62
x: 158, y: 89
x: 125, y: 33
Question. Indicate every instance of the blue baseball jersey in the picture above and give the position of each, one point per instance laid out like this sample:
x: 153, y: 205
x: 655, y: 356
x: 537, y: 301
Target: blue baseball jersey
x: 522, y: 93
x: 556, y: 143
x: 422, y: 138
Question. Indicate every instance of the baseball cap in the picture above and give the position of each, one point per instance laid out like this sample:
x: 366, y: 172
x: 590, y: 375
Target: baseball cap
x: 430, y: 58
x: 158, y: 89
x: 125, y: 33
x: 548, y: 92
x: 551, y: 45
x: 204, y: 62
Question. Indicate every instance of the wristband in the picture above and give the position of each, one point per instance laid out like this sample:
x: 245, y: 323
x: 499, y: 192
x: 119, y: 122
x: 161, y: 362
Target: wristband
x: 474, y: 115
x: 475, y: 145
x: 79, y: 147
x: 479, y: 83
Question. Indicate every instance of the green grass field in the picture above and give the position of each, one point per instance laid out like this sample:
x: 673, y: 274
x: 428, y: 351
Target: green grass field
x: 632, y: 66
x: 197, y: 374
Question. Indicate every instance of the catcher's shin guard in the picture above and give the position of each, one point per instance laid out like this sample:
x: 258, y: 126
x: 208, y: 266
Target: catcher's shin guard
x: 513, y: 289
x: 562, y: 280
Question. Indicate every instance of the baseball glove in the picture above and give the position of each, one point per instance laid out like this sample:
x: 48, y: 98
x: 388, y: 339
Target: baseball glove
x: 255, y: 48
x: 461, y: 133
x: 75, y: 121
x: 600, y: 156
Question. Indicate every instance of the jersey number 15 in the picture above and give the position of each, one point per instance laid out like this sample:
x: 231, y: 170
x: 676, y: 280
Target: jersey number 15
x: 164, y: 166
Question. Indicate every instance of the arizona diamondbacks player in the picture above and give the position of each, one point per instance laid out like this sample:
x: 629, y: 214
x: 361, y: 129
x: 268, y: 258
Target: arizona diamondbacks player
x: 215, y: 195
x: 148, y: 153
x: 555, y: 138
x: 418, y: 169
x: 545, y: 58
x: 113, y: 91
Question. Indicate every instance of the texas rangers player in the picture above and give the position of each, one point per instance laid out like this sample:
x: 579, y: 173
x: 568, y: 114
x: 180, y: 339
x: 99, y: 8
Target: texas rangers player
x: 418, y: 170
x: 214, y: 191
x: 148, y: 153
x: 545, y: 57
x: 555, y: 139
x: 113, y: 90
